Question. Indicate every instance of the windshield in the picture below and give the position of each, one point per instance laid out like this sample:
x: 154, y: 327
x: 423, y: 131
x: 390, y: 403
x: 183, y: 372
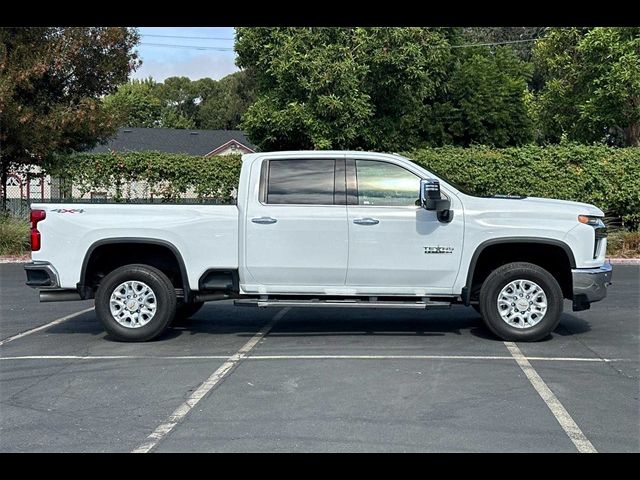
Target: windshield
x: 464, y: 189
x: 467, y: 189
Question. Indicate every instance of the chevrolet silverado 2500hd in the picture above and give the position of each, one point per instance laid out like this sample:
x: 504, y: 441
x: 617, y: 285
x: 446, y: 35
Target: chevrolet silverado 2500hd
x: 325, y: 229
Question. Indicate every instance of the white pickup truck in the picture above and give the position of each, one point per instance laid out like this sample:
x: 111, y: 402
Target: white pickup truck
x: 325, y: 229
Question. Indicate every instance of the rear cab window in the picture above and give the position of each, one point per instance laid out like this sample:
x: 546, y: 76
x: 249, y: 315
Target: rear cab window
x: 303, y: 182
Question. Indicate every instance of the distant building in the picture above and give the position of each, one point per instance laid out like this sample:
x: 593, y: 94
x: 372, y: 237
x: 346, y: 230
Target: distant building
x: 203, y: 143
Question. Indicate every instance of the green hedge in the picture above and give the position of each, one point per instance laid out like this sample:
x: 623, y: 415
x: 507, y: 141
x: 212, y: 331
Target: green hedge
x: 607, y: 177
x: 170, y: 175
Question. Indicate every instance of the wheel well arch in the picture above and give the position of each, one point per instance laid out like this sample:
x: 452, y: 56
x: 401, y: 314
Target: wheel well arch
x: 553, y: 255
x: 99, y: 260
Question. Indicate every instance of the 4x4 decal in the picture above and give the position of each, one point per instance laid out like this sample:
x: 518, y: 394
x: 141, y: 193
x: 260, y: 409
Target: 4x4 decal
x: 68, y: 210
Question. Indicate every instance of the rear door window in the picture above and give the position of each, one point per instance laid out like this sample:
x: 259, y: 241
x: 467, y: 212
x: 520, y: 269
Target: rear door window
x: 306, y: 182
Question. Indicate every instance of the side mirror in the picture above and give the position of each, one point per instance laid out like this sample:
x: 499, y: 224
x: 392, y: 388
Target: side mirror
x: 431, y: 199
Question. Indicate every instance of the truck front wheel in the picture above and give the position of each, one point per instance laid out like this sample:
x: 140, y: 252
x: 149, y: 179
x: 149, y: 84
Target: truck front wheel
x: 521, y: 302
x: 135, y: 303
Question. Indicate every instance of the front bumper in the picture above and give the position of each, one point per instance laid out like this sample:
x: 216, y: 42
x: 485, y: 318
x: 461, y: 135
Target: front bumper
x: 590, y: 285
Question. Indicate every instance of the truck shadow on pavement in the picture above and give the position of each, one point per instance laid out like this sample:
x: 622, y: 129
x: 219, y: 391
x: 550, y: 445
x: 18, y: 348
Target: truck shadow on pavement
x: 569, y: 325
x: 307, y: 322
x: 572, y: 325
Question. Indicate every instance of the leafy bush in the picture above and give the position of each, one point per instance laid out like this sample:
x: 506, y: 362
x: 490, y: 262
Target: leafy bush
x: 623, y: 244
x: 169, y: 175
x: 14, y: 236
x: 604, y: 176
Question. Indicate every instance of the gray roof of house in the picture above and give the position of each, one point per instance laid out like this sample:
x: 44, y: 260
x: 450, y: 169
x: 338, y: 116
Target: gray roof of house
x: 172, y: 140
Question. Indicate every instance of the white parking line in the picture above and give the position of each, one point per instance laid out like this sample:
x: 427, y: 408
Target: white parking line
x: 309, y: 357
x: 116, y: 357
x: 567, y: 423
x: 183, y: 410
x: 45, y: 326
x: 425, y: 357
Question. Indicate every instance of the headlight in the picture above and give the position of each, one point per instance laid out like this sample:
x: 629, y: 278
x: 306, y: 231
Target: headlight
x: 591, y: 220
x: 599, y: 229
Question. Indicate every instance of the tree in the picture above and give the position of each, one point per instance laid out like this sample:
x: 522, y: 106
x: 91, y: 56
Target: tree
x: 182, y: 103
x: 224, y: 102
x: 591, y: 89
x: 51, y: 81
x: 483, y: 102
x: 340, y: 87
x: 522, y: 37
x: 135, y: 104
x: 138, y: 104
x: 180, y: 94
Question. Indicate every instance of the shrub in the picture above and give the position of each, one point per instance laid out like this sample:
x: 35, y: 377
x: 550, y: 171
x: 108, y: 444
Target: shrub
x: 14, y: 236
x: 169, y: 175
x: 604, y: 176
x: 623, y: 244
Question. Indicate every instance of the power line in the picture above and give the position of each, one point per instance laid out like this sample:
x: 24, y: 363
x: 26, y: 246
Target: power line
x: 506, y: 42
x: 230, y: 49
x: 191, y: 47
x: 188, y: 37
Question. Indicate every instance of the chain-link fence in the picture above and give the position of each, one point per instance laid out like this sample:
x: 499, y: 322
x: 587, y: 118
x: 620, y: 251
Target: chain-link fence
x: 23, y: 189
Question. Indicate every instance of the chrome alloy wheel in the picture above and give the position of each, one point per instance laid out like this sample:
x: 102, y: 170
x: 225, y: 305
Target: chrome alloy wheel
x: 133, y: 304
x: 522, y: 304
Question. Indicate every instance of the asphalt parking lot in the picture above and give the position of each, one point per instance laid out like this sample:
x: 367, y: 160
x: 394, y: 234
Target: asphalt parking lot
x: 324, y: 380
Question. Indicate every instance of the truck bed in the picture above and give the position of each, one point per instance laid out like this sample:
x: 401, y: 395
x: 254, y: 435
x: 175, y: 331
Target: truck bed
x: 205, y: 235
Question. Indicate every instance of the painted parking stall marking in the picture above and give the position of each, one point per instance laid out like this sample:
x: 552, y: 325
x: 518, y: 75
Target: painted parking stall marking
x: 44, y: 327
x: 567, y: 423
x: 183, y: 410
x: 309, y: 357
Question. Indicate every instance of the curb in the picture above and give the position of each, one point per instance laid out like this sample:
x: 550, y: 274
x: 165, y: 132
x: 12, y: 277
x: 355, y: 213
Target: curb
x: 15, y: 259
x: 623, y: 261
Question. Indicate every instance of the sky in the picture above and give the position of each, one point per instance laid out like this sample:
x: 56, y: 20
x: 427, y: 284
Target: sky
x: 161, y: 61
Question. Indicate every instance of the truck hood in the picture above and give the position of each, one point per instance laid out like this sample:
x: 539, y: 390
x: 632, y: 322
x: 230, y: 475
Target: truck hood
x: 534, y: 207
x: 578, y: 207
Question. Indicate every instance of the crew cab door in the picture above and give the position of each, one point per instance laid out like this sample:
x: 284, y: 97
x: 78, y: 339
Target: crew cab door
x: 296, y: 229
x: 394, y: 243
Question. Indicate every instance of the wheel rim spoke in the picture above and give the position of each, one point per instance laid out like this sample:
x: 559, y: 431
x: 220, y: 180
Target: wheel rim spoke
x: 133, y: 304
x: 522, y: 304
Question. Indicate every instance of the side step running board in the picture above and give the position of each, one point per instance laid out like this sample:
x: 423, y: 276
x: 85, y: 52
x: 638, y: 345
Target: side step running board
x: 342, y: 303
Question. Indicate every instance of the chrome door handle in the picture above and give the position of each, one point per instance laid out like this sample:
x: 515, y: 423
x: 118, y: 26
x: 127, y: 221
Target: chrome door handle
x: 264, y: 220
x: 366, y: 221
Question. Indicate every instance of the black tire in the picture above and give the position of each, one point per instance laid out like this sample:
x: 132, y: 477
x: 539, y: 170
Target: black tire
x: 185, y: 311
x: 501, y: 277
x: 163, y: 290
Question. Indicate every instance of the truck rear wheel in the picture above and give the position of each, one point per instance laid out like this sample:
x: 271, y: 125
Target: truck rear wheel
x: 521, y: 302
x: 135, y: 303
